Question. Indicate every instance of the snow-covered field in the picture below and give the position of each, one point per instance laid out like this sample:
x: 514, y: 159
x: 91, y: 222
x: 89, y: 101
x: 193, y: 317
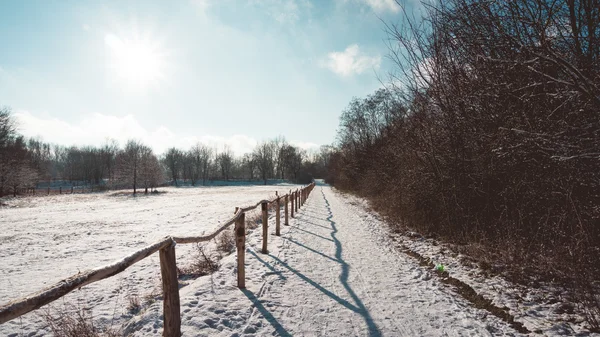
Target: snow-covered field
x: 331, y: 273
x: 337, y: 270
x: 45, y: 239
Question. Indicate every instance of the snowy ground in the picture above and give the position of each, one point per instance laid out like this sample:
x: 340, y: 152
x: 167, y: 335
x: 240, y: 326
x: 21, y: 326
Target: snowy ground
x: 45, y: 239
x: 336, y: 271
x: 330, y: 274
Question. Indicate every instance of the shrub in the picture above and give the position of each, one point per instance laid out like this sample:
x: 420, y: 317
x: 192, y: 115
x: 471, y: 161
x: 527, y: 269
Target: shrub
x: 74, y: 323
x: 204, y: 264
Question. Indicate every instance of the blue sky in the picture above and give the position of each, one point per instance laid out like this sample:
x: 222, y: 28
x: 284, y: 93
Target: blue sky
x: 172, y: 73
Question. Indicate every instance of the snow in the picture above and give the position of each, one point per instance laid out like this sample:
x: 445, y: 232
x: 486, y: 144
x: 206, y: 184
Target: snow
x: 46, y: 239
x: 336, y: 270
x: 328, y: 274
x: 539, y: 309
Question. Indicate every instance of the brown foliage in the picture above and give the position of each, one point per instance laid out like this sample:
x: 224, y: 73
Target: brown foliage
x: 204, y: 264
x: 494, y: 136
x: 77, y: 323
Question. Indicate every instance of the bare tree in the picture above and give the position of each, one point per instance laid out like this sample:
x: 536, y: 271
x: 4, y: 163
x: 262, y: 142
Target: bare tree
x: 225, y: 162
x: 278, y: 144
x: 173, y: 162
x: 150, y: 172
x: 249, y: 163
x: 129, y: 162
x: 264, y: 158
x: 108, y: 153
x: 16, y: 169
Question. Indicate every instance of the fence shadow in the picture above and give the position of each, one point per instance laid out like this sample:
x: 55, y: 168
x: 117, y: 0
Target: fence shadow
x: 358, y: 306
x: 315, y: 234
x: 279, y: 329
x: 304, y: 221
x: 362, y: 310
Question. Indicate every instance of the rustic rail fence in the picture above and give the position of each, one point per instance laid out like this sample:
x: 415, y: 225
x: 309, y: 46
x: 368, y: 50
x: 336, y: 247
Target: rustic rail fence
x: 168, y: 263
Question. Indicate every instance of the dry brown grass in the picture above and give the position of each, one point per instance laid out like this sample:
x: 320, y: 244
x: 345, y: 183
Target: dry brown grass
x: 205, y: 263
x: 253, y: 219
x: 225, y: 242
x: 134, y: 304
x: 75, y: 323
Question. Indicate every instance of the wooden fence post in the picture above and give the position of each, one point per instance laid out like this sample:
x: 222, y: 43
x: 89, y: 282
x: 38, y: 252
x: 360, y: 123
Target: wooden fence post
x: 60, y: 190
x: 48, y: 190
x: 292, y: 197
x: 168, y: 271
x: 277, y: 217
x: 297, y: 199
x: 240, y: 243
x: 287, y: 222
x: 265, y: 226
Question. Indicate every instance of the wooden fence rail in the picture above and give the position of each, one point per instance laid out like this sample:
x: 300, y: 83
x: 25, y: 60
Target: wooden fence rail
x: 168, y: 264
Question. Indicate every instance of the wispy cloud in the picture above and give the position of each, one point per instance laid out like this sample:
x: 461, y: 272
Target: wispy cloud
x: 96, y: 129
x: 201, y: 5
x: 283, y: 11
x: 381, y: 6
x: 350, y: 61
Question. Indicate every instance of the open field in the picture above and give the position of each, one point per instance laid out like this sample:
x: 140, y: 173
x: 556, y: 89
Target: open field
x: 45, y: 239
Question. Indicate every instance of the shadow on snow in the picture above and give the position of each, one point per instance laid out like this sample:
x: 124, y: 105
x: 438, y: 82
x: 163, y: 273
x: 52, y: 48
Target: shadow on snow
x: 357, y: 307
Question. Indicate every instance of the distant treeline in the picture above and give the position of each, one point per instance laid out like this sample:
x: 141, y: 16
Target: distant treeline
x: 25, y: 163
x: 489, y: 134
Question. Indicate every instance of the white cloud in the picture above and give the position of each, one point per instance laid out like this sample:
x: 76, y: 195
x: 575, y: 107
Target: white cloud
x: 381, y: 6
x: 308, y: 146
x: 284, y: 11
x: 86, y: 27
x: 201, y: 5
x: 350, y: 61
x: 96, y: 128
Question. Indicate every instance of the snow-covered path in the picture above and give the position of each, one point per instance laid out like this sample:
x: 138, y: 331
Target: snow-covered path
x: 333, y: 272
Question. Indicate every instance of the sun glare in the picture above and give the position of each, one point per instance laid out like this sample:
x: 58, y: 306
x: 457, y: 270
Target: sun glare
x: 136, y: 63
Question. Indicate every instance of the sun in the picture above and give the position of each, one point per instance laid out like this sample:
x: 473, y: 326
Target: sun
x: 137, y: 63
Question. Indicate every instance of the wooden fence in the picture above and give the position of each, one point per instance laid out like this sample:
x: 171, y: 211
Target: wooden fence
x: 168, y: 265
x: 56, y: 190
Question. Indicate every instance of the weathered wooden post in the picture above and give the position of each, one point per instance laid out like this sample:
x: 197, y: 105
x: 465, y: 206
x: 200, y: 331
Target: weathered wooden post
x: 297, y: 199
x: 240, y: 243
x: 265, y: 226
x: 292, y: 197
x: 60, y: 190
x: 277, y: 217
x: 48, y: 190
x: 168, y: 272
x: 287, y: 221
